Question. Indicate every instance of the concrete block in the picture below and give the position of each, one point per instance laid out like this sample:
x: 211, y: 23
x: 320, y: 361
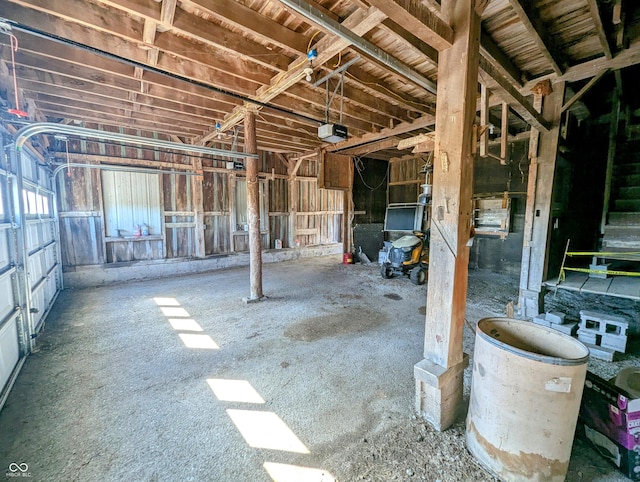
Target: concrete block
x: 541, y: 320
x: 566, y: 328
x: 598, y: 270
x: 555, y: 317
x: 600, y: 352
x: 587, y: 337
x: 614, y: 342
x: 593, y: 317
x: 439, y: 390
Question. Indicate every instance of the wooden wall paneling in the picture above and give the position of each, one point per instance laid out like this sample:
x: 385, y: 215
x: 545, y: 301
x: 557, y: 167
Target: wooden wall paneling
x: 233, y: 222
x: 264, y: 202
x: 197, y: 187
x: 217, y: 235
x: 163, y: 209
x: 100, y: 230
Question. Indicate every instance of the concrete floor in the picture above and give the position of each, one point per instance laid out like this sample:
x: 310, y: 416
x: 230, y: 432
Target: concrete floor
x: 178, y: 379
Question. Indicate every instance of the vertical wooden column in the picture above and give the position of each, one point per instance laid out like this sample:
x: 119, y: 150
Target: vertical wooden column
x: 439, y: 377
x: 535, y: 255
x: 253, y: 208
x: 347, y: 201
x: 197, y: 200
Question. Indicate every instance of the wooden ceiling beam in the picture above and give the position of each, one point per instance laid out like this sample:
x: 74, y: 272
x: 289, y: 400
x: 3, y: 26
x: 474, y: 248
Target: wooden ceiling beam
x: 219, y: 67
x: 499, y: 60
x: 602, y: 35
x: 421, y: 123
x: 197, y: 28
x: 538, y: 32
x: 585, y: 70
x: 375, y: 146
x: 250, y: 21
x: 402, y: 33
x: 361, y: 22
x: 130, y: 122
x: 49, y: 103
x: 419, y: 20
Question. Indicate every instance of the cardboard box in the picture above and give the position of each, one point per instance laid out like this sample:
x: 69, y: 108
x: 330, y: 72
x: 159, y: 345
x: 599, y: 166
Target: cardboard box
x: 612, y: 423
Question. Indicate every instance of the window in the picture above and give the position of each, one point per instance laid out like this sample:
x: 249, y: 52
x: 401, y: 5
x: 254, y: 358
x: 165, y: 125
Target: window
x: 43, y: 205
x: 241, y: 205
x: 131, y: 199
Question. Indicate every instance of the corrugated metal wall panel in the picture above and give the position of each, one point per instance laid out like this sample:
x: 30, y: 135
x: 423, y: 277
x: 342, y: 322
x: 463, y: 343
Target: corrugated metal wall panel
x: 130, y: 199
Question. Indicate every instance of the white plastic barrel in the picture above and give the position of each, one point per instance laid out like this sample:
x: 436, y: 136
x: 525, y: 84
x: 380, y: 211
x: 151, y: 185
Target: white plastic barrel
x: 525, y: 396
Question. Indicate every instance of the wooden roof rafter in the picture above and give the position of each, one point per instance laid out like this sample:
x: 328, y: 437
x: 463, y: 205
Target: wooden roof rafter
x: 538, y: 31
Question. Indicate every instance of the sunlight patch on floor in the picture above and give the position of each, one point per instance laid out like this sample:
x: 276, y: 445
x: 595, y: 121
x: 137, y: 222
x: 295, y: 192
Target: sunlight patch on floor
x: 185, y: 324
x: 265, y: 430
x: 166, y: 301
x: 234, y: 391
x: 191, y: 340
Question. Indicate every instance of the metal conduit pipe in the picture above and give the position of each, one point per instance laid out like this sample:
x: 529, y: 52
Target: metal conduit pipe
x: 41, y: 127
x: 313, y: 14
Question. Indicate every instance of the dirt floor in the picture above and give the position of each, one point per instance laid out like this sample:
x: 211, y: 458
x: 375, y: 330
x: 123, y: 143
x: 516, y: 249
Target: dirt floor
x: 178, y: 379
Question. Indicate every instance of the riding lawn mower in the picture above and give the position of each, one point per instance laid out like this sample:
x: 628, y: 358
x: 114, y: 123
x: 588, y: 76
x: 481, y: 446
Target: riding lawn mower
x: 408, y: 255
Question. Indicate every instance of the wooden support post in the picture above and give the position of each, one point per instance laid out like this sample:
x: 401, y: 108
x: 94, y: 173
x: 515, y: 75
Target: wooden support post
x: 504, y: 133
x: 347, y: 240
x: 535, y: 256
x: 253, y: 207
x: 439, y: 377
x: 198, y: 206
x: 484, y: 120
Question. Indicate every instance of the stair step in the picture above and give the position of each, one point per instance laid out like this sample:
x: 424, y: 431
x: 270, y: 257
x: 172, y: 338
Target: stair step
x: 627, y: 168
x: 622, y: 234
x: 626, y: 205
x: 629, y: 193
x: 623, y: 219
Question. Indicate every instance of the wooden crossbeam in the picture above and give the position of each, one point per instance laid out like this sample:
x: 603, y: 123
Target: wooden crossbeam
x: 421, y: 123
x: 584, y: 90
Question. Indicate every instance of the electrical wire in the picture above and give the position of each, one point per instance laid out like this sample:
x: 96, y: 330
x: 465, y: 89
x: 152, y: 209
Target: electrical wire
x: 359, y: 165
x: 14, y: 49
x: 339, y: 60
x: 311, y: 40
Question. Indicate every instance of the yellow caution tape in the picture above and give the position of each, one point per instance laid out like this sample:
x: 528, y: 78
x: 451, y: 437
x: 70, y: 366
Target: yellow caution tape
x: 601, y: 271
x: 600, y: 254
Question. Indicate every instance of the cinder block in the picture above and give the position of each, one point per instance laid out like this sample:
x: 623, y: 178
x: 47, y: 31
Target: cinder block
x: 556, y: 317
x: 566, y: 328
x: 586, y: 336
x: 614, y: 342
x: 598, y: 270
x: 600, y: 352
x: 541, y: 320
x: 601, y: 320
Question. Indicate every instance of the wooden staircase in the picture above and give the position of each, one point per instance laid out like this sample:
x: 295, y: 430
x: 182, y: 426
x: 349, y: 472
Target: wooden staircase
x: 622, y: 231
